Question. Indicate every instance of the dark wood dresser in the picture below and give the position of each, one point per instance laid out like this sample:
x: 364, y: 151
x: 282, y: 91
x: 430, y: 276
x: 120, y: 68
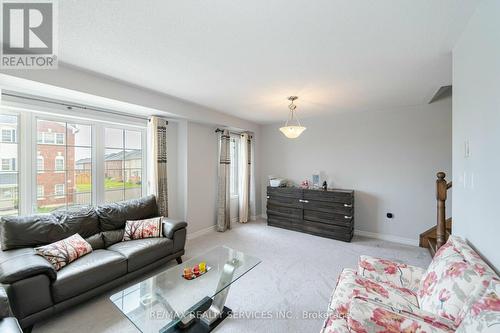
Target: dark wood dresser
x: 326, y: 213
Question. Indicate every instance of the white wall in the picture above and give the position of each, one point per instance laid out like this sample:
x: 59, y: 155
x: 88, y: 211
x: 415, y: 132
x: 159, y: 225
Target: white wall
x: 476, y: 119
x: 201, y: 176
x: 389, y: 158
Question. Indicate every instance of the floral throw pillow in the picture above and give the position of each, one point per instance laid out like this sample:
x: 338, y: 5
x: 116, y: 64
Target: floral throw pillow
x: 139, y: 229
x: 62, y: 252
x: 484, y: 314
x: 447, y: 286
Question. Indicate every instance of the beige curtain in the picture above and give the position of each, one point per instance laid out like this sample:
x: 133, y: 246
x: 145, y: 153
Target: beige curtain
x: 223, y: 216
x: 244, y: 177
x: 157, y: 134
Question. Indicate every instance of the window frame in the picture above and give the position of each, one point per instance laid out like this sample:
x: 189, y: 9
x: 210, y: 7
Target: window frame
x: 12, y: 135
x: 16, y: 139
x: 40, y: 194
x: 97, y: 153
x: 57, y: 194
x: 27, y: 140
x: 42, y: 169
x: 11, y: 164
x: 63, y: 138
x: 144, y: 151
x: 60, y: 158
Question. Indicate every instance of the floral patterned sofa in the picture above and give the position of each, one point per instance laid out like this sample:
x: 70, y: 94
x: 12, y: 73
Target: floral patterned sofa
x: 458, y: 292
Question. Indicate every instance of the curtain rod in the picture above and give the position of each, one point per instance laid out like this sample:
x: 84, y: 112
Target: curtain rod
x: 217, y: 130
x: 71, y: 106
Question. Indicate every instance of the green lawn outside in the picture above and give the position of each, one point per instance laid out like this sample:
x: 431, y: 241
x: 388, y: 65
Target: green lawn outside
x: 44, y: 209
x: 108, y: 184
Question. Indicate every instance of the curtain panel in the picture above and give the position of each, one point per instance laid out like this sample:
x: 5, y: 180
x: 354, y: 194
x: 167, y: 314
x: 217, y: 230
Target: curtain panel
x: 223, y: 172
x: 157, y: 133
x: 245, y: 162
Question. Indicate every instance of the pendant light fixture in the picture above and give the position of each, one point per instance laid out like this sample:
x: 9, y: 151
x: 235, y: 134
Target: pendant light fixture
x: 292, y: 128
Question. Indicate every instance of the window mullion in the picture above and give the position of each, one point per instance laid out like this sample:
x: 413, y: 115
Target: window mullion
x: 28, y: 156
x: 98, y: 171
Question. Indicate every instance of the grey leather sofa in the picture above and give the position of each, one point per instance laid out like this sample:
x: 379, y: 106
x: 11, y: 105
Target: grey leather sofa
x: 8, y: 323
x: 37, y: 291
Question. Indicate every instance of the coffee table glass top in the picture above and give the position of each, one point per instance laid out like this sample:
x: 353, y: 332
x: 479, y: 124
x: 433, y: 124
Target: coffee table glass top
x: 164, y: 299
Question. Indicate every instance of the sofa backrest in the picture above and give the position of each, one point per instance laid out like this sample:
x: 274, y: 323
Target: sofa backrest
x: 455, y: 279
x: 484, y: 314
x: 42, y: 229
x: 114, y: 215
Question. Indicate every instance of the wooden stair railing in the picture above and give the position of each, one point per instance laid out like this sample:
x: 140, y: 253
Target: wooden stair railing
x: 437, y: 236
x: 441, y: 195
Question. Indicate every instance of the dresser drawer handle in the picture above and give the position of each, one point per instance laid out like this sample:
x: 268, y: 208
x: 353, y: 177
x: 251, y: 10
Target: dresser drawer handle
x: 304, y: 201
x: 347, y: 205
x: 268, y: 197
x: 347, y: 217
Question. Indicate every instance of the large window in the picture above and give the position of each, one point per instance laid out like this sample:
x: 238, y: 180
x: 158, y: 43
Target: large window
x: 9, y: 175
x: 61, y: 162
x: 122, y: 164
x: 64, y: 154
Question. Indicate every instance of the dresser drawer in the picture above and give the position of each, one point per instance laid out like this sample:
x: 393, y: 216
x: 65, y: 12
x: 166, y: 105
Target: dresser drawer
x: 282, y: 222
x: 276, y: 200
x: 289, y: 212
x: 329, y: 218
x: 329, y: 207
x: 290, y: 192
x: 346, y: 197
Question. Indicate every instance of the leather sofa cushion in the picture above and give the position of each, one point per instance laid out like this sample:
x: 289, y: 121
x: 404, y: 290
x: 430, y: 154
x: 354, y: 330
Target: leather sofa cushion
x: 20, y: 264
x: 88, y: 272
x: 112, y: 237
x: 142, y: 252
x: 37, y: 230
x: 113, y: 216
x: 96, y: 241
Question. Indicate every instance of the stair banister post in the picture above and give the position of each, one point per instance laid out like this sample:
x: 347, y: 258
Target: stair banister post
x: 441, y: 189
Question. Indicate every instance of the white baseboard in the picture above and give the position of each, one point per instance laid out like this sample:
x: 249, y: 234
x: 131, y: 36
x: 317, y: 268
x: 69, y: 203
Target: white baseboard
x: 196, y: 234
x: 390, y: 238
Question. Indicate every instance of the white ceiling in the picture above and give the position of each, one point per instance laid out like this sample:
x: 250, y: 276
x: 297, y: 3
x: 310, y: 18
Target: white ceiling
x: 245, y: 57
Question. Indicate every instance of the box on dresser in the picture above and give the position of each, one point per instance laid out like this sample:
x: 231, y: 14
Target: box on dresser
x: 327, y: 213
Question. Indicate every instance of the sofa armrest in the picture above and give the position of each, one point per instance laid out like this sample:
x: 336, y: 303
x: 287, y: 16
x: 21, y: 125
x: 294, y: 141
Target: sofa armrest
x: 170, y: 226
x: 5, y: 310
x: 376, y: 316
x: 24, y: 266
x: 387, y: 271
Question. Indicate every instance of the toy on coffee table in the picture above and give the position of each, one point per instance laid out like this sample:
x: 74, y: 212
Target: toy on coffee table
x: 195, y: 271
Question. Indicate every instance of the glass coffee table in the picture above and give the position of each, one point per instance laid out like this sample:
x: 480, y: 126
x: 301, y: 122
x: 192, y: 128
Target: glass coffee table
x: 167, y: 302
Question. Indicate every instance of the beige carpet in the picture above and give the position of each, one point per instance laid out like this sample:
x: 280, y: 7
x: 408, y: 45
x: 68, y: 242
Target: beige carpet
x: 297, y: 274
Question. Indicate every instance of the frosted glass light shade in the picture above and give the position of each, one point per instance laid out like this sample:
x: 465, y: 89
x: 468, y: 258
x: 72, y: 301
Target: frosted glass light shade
x: 292, y: 132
